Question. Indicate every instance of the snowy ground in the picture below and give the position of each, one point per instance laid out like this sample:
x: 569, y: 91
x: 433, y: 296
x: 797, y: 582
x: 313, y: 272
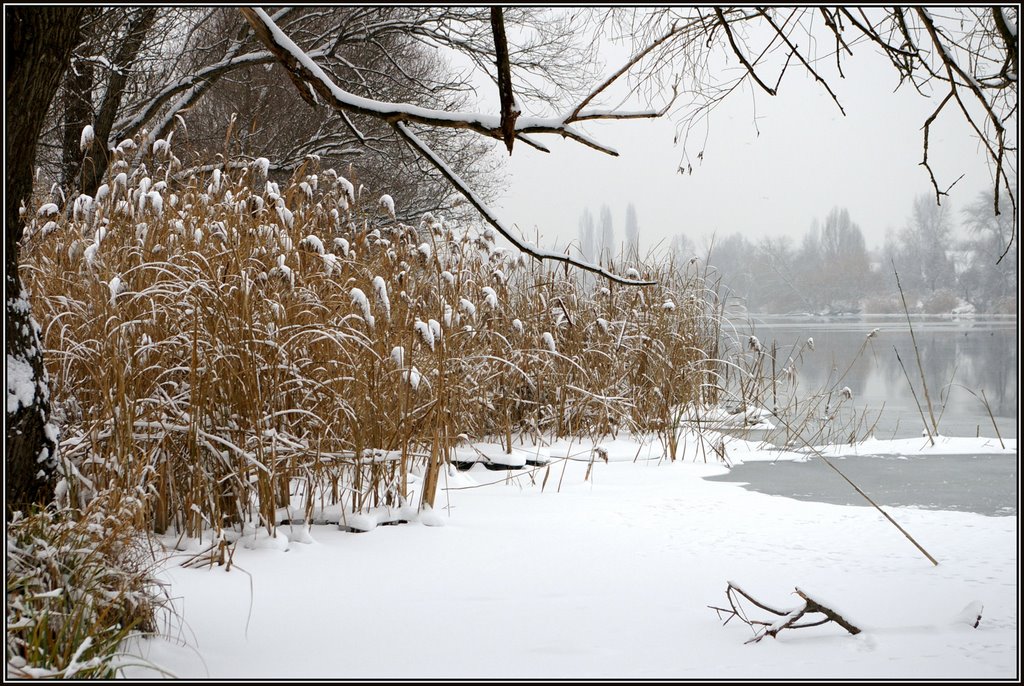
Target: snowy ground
x: 607, y: 578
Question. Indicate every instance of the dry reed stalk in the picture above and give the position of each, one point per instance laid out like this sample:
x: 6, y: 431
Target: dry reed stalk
x: 917, y: 353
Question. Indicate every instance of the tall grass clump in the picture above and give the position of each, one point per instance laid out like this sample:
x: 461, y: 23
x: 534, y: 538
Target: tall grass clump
x: 219, y: 344
x: 78, y: 584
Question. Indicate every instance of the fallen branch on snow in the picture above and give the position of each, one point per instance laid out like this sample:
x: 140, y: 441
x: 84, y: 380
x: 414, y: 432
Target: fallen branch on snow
x: 788, y: 619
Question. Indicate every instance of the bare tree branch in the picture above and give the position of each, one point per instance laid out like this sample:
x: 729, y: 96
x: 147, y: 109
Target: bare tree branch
x: 1011, y: 64
x: 509, y: 109
x: 399, y: 115
x: 953, y: 69
x: 577, y: 115
x: 493, y: 220
x: 924, y: 162
x: 794, y: 50
x: 969, y: 50
x: 724, y: 23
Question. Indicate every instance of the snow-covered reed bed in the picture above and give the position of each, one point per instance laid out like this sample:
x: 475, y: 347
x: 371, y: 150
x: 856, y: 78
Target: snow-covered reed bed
x: 216, y: 342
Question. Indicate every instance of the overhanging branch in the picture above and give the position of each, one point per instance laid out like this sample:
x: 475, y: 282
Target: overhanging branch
x: 303, y: 70
x: 460, y: 185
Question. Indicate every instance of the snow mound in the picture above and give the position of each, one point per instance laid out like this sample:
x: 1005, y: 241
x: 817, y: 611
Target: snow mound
x: 362, y: 522
x: 431, y: 517
x: 261, y: 539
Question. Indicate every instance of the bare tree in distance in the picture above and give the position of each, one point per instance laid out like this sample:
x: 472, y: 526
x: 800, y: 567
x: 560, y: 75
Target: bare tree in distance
x: 605, y: 236
x: 632, y: 233
x: 588, y: 243
x: 926, y: 243
x: 989, y: 288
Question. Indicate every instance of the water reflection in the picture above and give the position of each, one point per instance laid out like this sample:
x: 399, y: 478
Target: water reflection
x: 960, y: 359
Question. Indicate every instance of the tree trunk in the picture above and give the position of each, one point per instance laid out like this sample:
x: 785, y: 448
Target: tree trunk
x: 95, y: 165
x: 78, y: 85
x: 39, y: 44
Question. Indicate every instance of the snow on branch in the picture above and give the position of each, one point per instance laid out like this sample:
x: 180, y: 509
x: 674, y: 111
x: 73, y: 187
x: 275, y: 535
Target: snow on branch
x: 810, y: 612
x: 129, y: 126
x: 309, y: 77
x: 300, y: 64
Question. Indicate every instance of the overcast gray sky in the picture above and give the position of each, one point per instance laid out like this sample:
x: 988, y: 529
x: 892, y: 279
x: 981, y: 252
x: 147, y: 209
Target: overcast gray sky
x: 807, y: 159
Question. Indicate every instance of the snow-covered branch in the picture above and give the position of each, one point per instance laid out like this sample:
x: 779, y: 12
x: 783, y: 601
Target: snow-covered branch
x: 304, y: 70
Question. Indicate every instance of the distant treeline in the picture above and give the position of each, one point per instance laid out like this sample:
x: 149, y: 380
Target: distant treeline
x: 832, y: 270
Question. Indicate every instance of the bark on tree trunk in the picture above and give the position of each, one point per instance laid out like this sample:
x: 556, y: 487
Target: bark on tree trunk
x: 95, y: 165
x: 39, y: 44
x: 78, y: 85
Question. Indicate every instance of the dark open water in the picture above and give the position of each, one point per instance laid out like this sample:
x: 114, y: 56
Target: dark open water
x: 986, y: 484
